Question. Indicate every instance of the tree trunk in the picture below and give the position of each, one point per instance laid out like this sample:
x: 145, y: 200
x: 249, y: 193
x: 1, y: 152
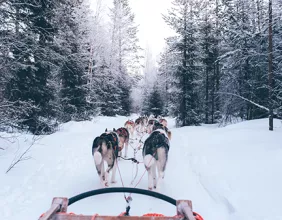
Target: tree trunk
x: 270, y: 70
x: 258, y: 15
x: 215, y: 102
x: 207, y: 97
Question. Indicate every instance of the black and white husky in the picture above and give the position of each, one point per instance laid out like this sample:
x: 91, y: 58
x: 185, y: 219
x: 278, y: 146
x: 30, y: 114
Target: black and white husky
x: 105, y: 148
x: 155, y: 154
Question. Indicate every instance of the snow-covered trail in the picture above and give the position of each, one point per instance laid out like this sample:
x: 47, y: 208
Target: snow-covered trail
x: 228, y: 173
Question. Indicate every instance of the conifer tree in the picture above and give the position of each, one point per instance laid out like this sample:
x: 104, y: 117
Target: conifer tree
x: 124, y: 57
x: 181, y: 19
x: 73, y: 90
x: 29, y: 82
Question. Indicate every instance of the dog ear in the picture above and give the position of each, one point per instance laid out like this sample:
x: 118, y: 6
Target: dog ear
x: 114, y: 129
x: 106, y: 130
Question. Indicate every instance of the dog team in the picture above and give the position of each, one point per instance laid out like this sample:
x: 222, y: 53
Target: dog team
x: 109, y: 146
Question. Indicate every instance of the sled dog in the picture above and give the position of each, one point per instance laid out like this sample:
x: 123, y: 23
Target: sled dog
x: 141, y: 124
x: 150, y: 125
x: 155, y: 155
x: 123, y: 140
x: 105, y: 148
x: 129, y: 125
x: 163, y: 121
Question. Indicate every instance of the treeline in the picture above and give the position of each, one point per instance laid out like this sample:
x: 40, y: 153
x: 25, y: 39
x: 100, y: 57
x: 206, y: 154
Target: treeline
x: 61, y: 61
x: 216, y: 68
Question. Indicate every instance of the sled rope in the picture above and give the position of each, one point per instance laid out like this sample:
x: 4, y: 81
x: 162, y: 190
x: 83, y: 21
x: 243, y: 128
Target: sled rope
x: 135, y: 152
x: 139, y: 133
x: 127, y: 199
x: 120, y: 175
x: 136, y: 173
x: 136, y: 149
x: 120, y: 178
x: 132, y: 159
x: 144, y: 172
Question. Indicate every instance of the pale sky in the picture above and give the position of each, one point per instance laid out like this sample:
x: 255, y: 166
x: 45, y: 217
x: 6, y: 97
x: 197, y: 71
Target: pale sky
x: 152, y: 28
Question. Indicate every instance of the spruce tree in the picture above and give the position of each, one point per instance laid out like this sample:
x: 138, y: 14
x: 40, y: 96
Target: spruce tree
x: 108, y: 92
x: 124, y: 57
x: 155, y: 103
x: 181, y: 19
x: 208, y: 60
x: 30, y: 78
x: 73, y: 91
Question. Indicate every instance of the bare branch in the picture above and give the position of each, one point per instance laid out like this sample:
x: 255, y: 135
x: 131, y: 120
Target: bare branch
x: 23, y: 156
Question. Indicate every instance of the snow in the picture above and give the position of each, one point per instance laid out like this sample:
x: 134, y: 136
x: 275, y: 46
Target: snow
x: 229, y: 173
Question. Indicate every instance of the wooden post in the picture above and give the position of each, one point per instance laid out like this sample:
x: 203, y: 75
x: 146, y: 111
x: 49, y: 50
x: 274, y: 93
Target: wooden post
x: 58, y: 205
x: 184, y: 207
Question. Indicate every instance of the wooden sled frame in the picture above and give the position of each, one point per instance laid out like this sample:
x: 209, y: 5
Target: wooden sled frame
x: 58, y: 209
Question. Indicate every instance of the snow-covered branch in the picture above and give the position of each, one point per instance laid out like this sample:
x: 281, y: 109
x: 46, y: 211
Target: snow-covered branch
x: 241, y: 97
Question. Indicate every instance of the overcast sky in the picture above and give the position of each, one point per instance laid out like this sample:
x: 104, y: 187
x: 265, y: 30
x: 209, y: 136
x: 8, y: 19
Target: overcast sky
x: 152, y: 28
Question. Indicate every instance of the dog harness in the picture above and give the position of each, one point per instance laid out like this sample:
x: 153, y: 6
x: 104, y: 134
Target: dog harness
x: 152, y: 121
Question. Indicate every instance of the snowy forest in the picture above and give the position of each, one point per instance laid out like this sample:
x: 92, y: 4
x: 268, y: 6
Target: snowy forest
x: 61, y: 60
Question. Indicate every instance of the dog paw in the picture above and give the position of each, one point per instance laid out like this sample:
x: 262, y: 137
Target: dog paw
x: 158, y: 189
x: 113, y: 181
x: 150, y: 188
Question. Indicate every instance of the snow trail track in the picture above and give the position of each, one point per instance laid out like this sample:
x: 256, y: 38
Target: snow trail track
x: 228, y: 173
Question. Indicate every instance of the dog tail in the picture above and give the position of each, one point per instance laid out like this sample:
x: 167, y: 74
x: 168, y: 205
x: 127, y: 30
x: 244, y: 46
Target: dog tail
x: 97, y: 158
x: 97, y: 155
x: 149, y: 161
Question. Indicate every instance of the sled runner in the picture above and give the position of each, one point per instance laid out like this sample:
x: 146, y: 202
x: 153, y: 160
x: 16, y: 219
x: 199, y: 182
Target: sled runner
x: 58, y: 210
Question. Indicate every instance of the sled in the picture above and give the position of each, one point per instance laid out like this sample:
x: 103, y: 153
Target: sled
x: 58, y: 209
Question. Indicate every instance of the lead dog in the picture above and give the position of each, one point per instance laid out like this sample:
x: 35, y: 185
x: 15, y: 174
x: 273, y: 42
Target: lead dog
x: 105, y: 148
x: 155, y: 155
